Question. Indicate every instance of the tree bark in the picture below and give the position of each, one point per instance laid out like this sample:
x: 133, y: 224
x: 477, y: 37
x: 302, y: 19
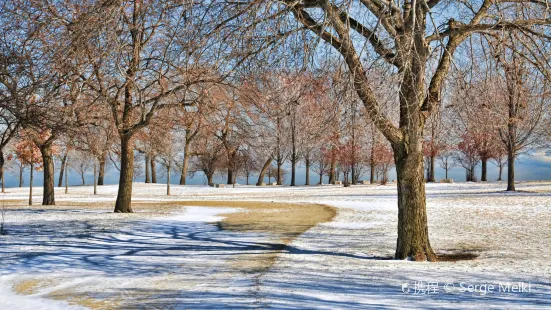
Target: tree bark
x: 230, y: 176
x: 124, y: 196
x: 153, y: 170
x: 263, y: 171
x: 94, y: 178
x: 372, y: 169
x: 101, y: 173
x: 431, y: 169
x: 31, y: 185
x: 279, y: 173
x: 511, y: 170
x: 209, y: 179
x: 48, y: 198
x: 307, y: 164
x: 147, y: 163
x: 185, y: 163
x: 483, y: 176
x: 2, y: 171
x: 62, y: 170
x: 332, y: 170
x: 21, y: 175
x: 293, y: 171
x: 66, y: 181
x: 168, y: 180
x: 413, y: 238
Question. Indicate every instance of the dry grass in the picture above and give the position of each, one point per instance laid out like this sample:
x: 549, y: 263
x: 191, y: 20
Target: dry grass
x: 283, y: 222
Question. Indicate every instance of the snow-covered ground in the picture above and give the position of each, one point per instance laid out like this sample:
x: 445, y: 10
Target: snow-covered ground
x: 73, y: 257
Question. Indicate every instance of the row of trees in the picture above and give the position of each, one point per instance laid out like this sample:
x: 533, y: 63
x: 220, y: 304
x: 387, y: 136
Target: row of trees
x: 221, y: 80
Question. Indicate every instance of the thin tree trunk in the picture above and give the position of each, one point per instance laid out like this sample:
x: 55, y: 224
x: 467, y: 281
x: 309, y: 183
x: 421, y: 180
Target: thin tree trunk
x: 511, y: 170
x: 209, y: 179
x: 500, y: 172
x: 446, y: 173
x: 321, y: 178
x: 62, y: 169
x: 230, y: 176
x: 372, y: 171
x: 431, y: 174
x: 94, y: 178
x: 48, y: 198
x: 2, y: 171
x: 31, y: 185
x: 124, y: 196
x: 247, y: 179
x: 279, y: 173
x: 168, y: 180
x: 185, y: 163
x: 332, y: 170
x: 67, y: 180
x: 263, y: 171
x: 293, y: 171
x: 153, y: 170
x: 21, y: 175
x: 82, y: 178
x: 147, y: 163
x: 413, y: 237
x: 307, y: 164
x: 484, y: 169
x: 101, y: 173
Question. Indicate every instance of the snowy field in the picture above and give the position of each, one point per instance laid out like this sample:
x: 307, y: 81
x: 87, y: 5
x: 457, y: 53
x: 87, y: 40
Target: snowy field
x: 80, y: 255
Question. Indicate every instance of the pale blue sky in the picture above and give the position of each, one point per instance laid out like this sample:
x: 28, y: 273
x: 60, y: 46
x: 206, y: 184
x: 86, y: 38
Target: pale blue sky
x: 536, y: 167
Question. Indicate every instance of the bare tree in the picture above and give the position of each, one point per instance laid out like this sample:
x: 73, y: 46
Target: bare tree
x: 404, y: 35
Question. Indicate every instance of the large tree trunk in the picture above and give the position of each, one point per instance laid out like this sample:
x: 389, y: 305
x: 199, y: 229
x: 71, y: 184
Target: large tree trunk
x: 263, y: 171
x: 511, y: 170
x: 307, y: 164
x: 413, y: 237
x: 124, y: 196
x: 147, y: 163
x: 48, y: 198
x: 483, y: 176
x: 101, y: 173
x: 185, y: 163
x: 62, y: 170
x: 153, y: 170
